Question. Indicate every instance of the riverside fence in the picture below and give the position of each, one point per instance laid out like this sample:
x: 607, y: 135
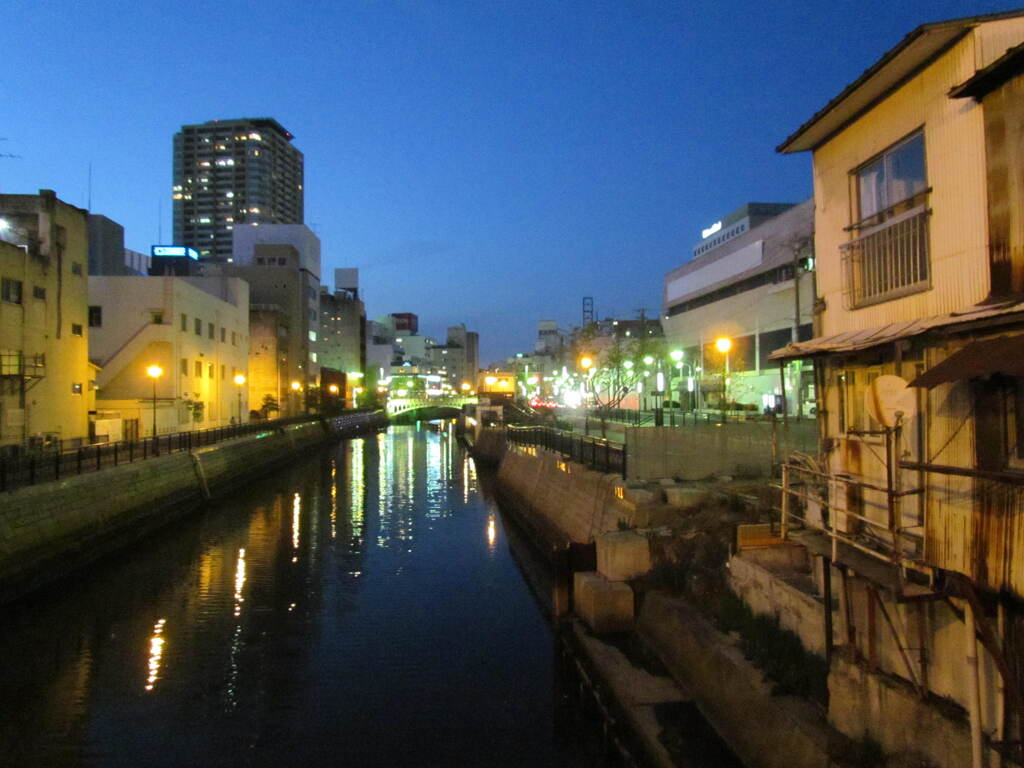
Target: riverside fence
x: 593, y: 452
x: 43, y: 466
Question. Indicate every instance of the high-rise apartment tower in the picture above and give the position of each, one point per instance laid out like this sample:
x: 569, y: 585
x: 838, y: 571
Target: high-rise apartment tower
x: 229, y: 173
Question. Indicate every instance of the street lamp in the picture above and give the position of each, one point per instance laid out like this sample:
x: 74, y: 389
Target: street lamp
x: 723, y: 344
x: 296, y: 388
x: 154, y: 372
x: 239, y: 381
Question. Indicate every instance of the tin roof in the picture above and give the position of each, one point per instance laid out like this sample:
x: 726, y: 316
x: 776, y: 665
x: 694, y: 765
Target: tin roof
x: 897, y: 65
x: 1010, y: 64
x: 852, y: 341
x: 1003, y: 354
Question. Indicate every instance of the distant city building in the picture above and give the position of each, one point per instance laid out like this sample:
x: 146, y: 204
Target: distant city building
x: 405, y: 322
x: 743, y: 289
x: 341, y: 345
x: 45, y: 374
x: 229, y: 173
x: 173, y: 261
x: 107, y: 254
x: 550, y: 340
x: 196, y: 329
x: 740, y: 221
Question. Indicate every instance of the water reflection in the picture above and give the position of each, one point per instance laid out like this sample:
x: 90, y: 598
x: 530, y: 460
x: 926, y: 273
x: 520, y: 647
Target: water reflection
x: 270, y: 633
x: 156, y: 652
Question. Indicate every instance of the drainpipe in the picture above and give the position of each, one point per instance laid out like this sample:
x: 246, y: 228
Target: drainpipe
x: 973, y: 687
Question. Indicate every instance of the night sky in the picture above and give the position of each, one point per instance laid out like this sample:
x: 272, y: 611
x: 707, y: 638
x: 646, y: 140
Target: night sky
x: 482, y: 162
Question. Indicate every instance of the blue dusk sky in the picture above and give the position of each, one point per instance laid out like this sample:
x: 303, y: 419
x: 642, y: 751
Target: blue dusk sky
x: 485, y: 162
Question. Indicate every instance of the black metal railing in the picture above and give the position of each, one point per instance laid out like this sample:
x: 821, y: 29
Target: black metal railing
x: 53, y: 463
x: 593, y: 452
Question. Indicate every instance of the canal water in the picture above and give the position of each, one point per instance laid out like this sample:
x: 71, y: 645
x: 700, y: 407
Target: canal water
x: 358, y: 608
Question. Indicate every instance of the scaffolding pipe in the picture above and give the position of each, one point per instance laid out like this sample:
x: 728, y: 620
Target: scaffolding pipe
x: 974, y: 687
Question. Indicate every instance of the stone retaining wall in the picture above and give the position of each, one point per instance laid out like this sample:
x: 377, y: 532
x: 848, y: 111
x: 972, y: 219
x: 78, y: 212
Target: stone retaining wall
x: 571, y: 499
x: 50, y: 529
x: 764, y: 731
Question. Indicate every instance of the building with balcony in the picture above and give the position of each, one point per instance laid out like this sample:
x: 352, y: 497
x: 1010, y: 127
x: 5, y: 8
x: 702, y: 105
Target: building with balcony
x: 752, y: 282
x: 229, y: 173
x: 194, y: 329
x: 45, y: 375
x: 915, y: 499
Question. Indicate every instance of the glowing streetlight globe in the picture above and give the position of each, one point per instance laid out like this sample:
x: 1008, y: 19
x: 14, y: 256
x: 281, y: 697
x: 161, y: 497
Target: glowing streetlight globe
x: 676, y: 355
x: 154, y: 371
x: 723, y: 344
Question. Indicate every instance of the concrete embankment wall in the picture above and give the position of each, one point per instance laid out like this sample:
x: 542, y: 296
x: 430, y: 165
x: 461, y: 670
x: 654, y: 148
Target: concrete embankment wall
x: 694, y: 452
x: 51, y: 529
x: 764, y: 731
x: 573, y: 502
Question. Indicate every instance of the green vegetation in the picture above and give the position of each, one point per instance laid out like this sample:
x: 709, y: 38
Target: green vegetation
x: 775, y: 651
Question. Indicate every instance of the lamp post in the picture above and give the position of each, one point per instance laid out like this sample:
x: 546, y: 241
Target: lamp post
x: 723, y: 344
x: 239, y: 381
x: 586, y: 363
x: 676, y: 356
x: 154, y: 372
x: 296, y: 389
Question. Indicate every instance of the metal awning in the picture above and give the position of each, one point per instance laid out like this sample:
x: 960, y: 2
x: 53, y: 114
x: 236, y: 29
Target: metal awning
x: 853, y: 341
x: 1003, y: 354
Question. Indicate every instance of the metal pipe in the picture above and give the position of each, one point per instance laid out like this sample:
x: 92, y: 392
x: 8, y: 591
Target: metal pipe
x: 974, y: 687
x: 1000, y: 682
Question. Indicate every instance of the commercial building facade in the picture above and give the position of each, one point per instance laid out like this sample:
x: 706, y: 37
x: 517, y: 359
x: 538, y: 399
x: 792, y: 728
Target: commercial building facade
x: 194, y: 329
x: 754, y: 288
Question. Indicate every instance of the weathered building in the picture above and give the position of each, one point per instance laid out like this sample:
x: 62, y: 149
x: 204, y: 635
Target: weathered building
x: 919, y: 492
x: 45, y: 376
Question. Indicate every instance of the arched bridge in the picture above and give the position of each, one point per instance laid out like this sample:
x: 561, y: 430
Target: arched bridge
x: 398, y: 405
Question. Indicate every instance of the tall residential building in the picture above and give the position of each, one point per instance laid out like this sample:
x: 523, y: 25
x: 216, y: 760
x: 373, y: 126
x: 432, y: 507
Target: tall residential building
x: 232, y: 172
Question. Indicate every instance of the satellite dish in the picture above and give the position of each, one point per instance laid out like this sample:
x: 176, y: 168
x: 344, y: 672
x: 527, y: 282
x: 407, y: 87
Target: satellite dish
x: 889, y: 397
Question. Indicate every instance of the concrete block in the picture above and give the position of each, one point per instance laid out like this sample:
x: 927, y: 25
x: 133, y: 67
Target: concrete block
x: 685, y: 498
x: 622, y: 555
x: 640, y: 496
x: 605, y: 606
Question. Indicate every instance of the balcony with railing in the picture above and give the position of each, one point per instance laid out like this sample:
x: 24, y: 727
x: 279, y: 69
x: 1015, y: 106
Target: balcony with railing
x: 888, y: 260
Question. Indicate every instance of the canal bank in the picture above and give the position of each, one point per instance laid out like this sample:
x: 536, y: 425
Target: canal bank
x: 662, y: 578
x: 48, y: 531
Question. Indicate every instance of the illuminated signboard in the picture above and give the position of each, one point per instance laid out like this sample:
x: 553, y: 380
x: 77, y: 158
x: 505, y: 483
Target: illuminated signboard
x: 177, y: 251
x: 711, y: 230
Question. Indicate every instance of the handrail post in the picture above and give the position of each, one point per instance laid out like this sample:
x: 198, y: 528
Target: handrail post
x: 56, y: 465
x: 784, y: 523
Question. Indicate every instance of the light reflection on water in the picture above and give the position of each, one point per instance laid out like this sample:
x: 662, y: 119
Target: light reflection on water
x: 266, y: 632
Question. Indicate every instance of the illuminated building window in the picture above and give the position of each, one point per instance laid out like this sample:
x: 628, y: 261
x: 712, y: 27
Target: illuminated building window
x: 76, y: 329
